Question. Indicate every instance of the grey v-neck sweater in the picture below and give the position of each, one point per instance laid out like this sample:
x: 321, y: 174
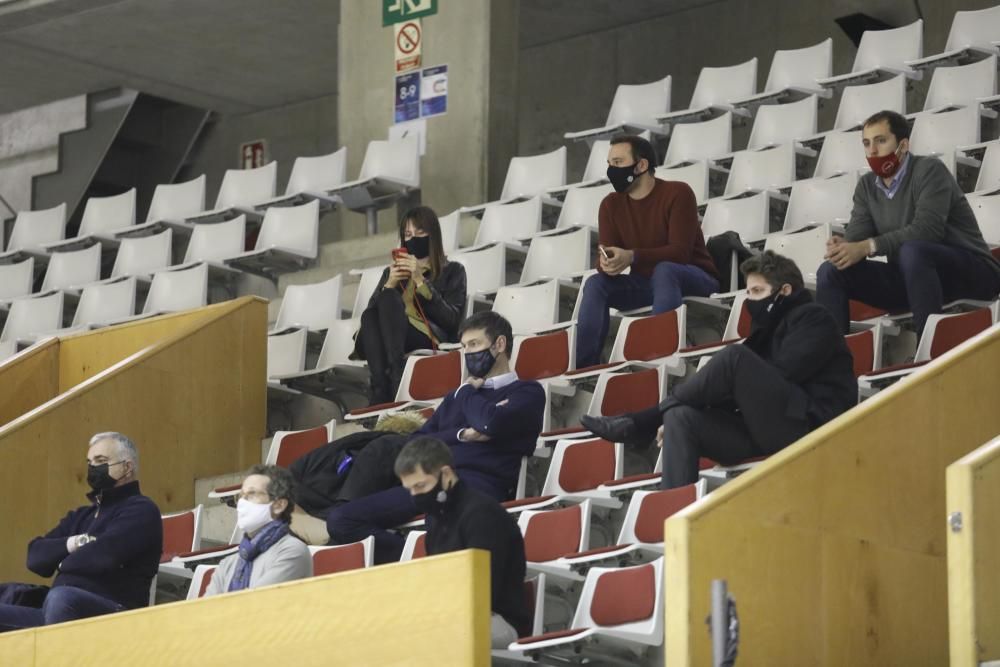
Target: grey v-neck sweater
x: 929, y: 206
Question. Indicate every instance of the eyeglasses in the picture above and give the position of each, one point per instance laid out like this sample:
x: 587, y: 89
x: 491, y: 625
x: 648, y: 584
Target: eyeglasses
x: 254, y: 496
x: 101, y: 463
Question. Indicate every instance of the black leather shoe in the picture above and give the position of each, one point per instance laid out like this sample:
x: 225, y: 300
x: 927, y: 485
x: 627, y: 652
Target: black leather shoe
x: 615, y: 429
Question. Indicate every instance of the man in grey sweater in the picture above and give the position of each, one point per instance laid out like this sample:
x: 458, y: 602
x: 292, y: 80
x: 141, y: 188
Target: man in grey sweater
x: 268, y: 553
x: 911, y: 210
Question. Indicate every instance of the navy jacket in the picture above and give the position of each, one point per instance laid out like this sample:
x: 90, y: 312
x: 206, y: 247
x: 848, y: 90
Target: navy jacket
x: 510, y: 415
x: 121, y: 563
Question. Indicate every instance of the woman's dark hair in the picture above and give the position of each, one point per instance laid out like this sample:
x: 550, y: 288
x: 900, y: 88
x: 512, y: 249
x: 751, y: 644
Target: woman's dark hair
x: 776, y: 269
x: 898, y: 125
x: 425, y: 219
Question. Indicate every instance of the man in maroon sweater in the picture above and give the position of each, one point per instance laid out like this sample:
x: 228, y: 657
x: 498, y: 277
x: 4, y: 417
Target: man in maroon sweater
x: 651, y: 226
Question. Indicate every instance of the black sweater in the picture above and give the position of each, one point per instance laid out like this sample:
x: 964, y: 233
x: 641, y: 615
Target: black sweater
x: 446, y: 307
x: 121, y: 563
x: 473, y: 520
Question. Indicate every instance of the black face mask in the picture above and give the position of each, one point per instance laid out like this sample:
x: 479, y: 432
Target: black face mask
x: 480, y: 363
x: 418, y: 246
x: 432, y: 502
x: 99, y: 478
x: 622, y: 178
x: 762, y: 310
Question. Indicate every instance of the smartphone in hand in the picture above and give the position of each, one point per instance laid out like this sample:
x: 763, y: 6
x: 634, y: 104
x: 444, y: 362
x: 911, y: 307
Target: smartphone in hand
x: 604, y: 253
x: 399, y: 252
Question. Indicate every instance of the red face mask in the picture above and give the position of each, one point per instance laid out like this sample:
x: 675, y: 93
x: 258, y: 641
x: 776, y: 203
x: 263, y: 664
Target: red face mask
x: 885, y: 165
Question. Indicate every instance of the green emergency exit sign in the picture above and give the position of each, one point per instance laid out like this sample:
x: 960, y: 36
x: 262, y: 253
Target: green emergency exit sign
x: 397, y: 11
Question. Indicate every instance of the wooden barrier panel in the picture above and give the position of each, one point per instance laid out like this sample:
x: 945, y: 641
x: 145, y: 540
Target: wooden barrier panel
x: 834, y: 549
x: 29, y: 379
x: 194, y: 403
x: 973, y: 547
x: 431, y: 611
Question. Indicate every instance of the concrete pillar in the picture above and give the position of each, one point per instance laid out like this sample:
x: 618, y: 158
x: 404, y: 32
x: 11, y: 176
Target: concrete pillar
x: 469, y: 147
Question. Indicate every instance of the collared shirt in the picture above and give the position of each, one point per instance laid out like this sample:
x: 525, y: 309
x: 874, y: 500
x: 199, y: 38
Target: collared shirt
x: 893, y: 187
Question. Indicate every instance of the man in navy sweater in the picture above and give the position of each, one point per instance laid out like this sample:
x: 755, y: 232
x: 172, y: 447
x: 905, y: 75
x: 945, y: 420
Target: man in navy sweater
x: 105, y: 554
x: 490, y: 423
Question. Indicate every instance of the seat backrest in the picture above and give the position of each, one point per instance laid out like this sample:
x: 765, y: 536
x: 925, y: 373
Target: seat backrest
x: 177, y: 201
x: 695, y: 175
x: 105, y: 214
x: 652, y: 509
x: 719, y: 85
x: 319, y: 173
x: 799, y: 68
x: 367, y: 285
x: 552, y: 534
x: 286, y: 352
x: 73, y: 268
x: 33, y: 315
x: 623, y: 596
x: 745, y: 215
x: 986, y: 208
x: 338, y: 558
x: 293, y: 228
x: 180, y: 532
x: 817, y: 200
x: 530, y: 176
x: 415, y: 545
x: 312, y: 306
x: 705, y: 140
x: 178, y: 290
x: 247, y: 187
x: 857, y: 103
x: 974, y: 28
x: 434, y: 376
x: 963, y: 84
x: 200, y: 580
x: 948, y: 331
x: 143, y: 255
x: 338, y: 344
x: 450, y: 230
x: 557, y: 255
x: 761, y: 169
x: 531, y: 307
x: 890, y: 48
x: 397, y: 160
x: 806, y: 247
x: 862, y: 347
x: 597, y: 161
x: 581, y: 206
x: 842, y: 152
x: 103, y: 303
x: 33, y: 229
x: 510, y: 222
x: 628, y: 392
x: 650, y: 337
x: 17, y: 279
x: 940, y: 132
x: 484, y: 268
x: 216, y: 241
x: 739, y: 322
x: 640, y: 103
x: 582, y: 465
x: 784, y: 123
x: 289, y: 446
x: 542, y: 356
x: 989, y: 170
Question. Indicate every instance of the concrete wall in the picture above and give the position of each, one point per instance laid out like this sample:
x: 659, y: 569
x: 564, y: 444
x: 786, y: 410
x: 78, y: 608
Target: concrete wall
x: 568, y: 85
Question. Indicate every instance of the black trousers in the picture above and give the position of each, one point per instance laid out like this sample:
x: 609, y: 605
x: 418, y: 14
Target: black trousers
x: 738, y: 406
x: 386, y: 336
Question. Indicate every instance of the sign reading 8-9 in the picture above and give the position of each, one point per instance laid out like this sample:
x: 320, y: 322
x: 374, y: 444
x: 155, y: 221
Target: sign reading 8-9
x: 406, y: 92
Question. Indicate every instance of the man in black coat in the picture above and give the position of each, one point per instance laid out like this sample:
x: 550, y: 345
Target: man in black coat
x: 460, y: 517
x: 105, y: 554
x: 792, y: 374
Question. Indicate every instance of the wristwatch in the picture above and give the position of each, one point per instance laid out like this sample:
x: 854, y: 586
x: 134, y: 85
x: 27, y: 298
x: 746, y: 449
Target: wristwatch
x: 84, y: 539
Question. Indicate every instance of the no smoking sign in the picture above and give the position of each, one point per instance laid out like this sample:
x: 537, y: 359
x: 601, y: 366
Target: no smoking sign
x: 407, y: 42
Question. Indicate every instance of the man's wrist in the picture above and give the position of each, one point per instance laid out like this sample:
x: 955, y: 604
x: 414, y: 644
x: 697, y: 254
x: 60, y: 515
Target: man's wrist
x: 872, y: 247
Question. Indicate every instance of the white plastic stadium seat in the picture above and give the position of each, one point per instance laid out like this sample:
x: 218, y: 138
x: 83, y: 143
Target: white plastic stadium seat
x: 33, y: 315
x: 962, y: 84
x: 510, y: 222
x: 17, y: 279
x: 777, y: 124
x: 857, y: 103
x: 883, y: 53
x: 702, y: 140
x: 806, y: 247
x: 972, y: 33
x: 105, y: 303
x: 766, y: 169
x: 102, y: 218
x: 716, y: 88
x: 747, y: 215
x: 313, y: 306
x: 529, y: 177
x: 172, y: 204
x: 288, y: 241
x: 694, y: 174
x: 177, y: 289
x: 531, y: 307
x: 818, y: 200
x: 938, y: 133
x: 795, y: 71
x: 842, y: 153
x: 634, y: 109
x: 72, y: 269
x: 313, y: 178
x: 33, y: 230
x: 581, y: 206
x: 560, y: 253
x: 141, y: 256
x: 240, y: 193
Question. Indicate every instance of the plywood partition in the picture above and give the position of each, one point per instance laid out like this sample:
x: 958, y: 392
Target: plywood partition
x: 194, y: 402
x: 973, y: 552
x: 29, y: 379
x: 834, y: 550
x: 431, y: 611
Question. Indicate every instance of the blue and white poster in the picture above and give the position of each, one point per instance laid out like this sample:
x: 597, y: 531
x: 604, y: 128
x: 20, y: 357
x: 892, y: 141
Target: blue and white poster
x: 434, y: 91
x: 407, y: 97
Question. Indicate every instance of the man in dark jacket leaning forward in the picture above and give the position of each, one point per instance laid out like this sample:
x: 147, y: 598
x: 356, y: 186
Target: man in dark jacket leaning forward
x: 792, y: 374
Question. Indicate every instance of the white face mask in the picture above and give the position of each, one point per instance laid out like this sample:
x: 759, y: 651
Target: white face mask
x: 251, y: 517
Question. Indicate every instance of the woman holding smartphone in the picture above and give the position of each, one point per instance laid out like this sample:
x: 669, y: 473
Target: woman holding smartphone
x: 419, y: 305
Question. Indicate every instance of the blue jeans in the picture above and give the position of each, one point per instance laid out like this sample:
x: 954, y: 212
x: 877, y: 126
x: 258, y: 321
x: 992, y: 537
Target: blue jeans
x: 666, y: 288
x: 63, y: 603
x: 922, y: 278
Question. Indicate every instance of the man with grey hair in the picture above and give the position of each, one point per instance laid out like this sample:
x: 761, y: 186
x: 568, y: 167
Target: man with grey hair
x: 268, y: 553
x: 104, y: 554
